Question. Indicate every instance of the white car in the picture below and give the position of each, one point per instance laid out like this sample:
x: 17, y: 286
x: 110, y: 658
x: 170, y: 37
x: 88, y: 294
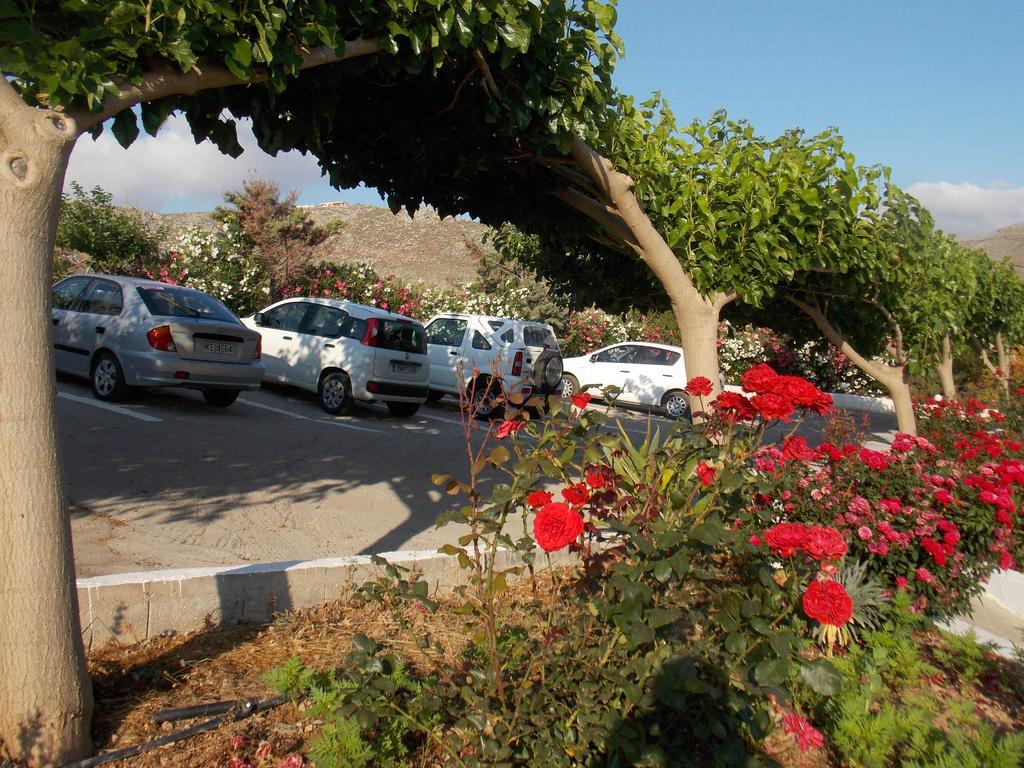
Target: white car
x: 345, y: 353
x: 491, y: 359
x: 646, y: 374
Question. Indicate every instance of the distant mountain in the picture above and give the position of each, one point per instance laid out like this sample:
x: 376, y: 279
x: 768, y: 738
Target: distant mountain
x: 425, y: 248
x: 1005, y: 243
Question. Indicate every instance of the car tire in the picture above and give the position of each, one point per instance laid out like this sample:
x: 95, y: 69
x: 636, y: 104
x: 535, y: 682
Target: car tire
x: 547, y: 372
x: 482, y: 394
x: 335, y: 392
x: 433, y: 396
x: 221, y: 398
x: 402, y: 410
x: 676, y: 404
x: 107, y: 379
x: 570, y: 385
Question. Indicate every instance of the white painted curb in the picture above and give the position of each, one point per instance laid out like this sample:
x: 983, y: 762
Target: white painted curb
x: 1007, y: 589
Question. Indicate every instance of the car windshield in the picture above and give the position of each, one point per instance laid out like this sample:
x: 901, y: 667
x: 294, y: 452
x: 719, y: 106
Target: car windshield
x: 173, y: 301
x: 403, y: 336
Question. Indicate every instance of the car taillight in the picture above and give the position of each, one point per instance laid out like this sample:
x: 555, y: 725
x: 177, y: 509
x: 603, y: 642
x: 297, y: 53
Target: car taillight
x: 259, y: 349
x: 160, y: 338
x: 370, y: 338
x: 517, y: 364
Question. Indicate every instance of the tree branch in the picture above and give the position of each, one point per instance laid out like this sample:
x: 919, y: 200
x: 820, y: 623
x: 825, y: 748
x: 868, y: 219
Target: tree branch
x: 604, y: 215
x: 458, y: 91
x: 721, y: 299
x: 168, y: 81
x: 491, y: 86
x: 570, y: 175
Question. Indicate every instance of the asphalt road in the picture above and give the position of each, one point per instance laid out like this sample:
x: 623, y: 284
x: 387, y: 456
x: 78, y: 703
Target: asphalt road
x: 165, y: 480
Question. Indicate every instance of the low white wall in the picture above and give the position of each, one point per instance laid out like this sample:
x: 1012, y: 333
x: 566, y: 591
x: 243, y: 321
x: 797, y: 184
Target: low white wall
x: 1007, y: 589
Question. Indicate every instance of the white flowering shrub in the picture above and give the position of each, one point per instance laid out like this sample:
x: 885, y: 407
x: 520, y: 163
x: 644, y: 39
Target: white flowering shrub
x: 219, y: 263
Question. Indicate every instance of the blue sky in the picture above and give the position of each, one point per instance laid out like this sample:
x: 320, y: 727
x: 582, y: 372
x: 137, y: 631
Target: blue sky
x: 931, y: 89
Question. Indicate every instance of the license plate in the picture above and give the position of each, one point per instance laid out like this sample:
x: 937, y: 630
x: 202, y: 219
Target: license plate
x: 404, y: 367
x: 218, y: 349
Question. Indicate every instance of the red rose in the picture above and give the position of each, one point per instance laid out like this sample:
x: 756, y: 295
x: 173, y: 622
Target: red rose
x: 874, y: 459
x: 596, y: 478
x: 706, y: 474
x: 556, y: 526
x: 509, y: 428
x: 828, y: 602
x: 576, y: 494
x: 823, y: 543
x: 760, y: 379
x: 733, y: 406
x: 699, y: 385
x: 786, y: 538
x: 538, y: 499
x: 772, y: 406
x: 795, y: 448
x: 581, y: 399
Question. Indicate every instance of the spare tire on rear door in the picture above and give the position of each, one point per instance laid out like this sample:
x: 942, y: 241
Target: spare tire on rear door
x: 547, y: 371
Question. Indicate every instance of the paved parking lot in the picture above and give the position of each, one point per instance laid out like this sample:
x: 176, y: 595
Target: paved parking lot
x: 164, y: 480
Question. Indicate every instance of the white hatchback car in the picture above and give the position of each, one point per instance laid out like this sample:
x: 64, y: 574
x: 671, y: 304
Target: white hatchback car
x: 646, y: 374
x: 345, y: 352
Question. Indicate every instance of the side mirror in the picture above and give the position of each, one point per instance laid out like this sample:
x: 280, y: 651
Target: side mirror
x: 593, y: 358
x: 258, y: 318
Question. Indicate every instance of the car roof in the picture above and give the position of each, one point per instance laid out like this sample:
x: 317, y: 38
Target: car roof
x: 132, y: 282
x: 488, y: 318
x: 348, y: 306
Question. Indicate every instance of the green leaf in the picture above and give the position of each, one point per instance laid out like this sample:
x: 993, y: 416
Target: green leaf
x: 241, y: 52
x: 772, y: 672
x: 125, y: 128
x: 822, y: 677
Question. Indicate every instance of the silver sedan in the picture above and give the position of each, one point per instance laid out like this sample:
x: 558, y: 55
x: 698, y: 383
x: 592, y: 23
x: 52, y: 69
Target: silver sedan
x: 124, y: 332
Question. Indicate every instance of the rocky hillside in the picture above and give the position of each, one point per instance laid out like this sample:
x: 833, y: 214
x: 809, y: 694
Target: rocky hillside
x: 426, y: 248
x: 1005, y: 243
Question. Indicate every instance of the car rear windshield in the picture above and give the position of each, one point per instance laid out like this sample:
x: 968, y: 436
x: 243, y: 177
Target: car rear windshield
x: 403, y: 336
x: 172, y: 301
x: 538, y: 336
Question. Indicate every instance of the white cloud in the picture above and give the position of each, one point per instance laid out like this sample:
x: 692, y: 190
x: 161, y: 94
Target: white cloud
x: 967, y: 209
x: 171, y: 172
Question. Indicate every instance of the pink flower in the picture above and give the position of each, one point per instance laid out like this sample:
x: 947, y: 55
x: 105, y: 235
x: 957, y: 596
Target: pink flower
x: 901, y: 582
x: 755, y: 541
x: 924, y: 575
x: 864, y: 533
x: 807, y: 736
x: 292, y: 761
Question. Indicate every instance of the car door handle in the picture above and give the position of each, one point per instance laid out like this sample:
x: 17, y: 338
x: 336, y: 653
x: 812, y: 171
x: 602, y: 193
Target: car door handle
x: 328, y: 346
x: 287, y: 338
x: 453, y: 354
x: 55, y: 320
x: 100, y: 329
x: 622, y: 371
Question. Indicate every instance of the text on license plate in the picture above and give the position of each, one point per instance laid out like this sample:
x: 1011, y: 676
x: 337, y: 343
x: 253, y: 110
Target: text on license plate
x: 404, y: 367
x: 219, y: 349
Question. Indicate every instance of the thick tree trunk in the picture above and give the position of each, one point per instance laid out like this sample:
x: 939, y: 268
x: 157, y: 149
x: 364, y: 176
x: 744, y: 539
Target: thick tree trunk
x: 945, y: 369
x: 45, y: 695
x: 696, y: 315
x: 895, y: 379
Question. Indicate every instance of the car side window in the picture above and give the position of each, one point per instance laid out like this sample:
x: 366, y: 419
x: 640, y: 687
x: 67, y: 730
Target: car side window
x: 509, y: 336
x: 536, y: 336
x: 657, y: 356
x: 66, y: 292
x: 286, y: 317
x: 624, y: 353
x: 479, y: 342
x: 103, y: 298
x: 448, y: 331
x: 324, y: 321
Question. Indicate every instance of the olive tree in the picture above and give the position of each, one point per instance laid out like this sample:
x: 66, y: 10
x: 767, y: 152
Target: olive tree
x: 995, y: 320
x: 371, y: 87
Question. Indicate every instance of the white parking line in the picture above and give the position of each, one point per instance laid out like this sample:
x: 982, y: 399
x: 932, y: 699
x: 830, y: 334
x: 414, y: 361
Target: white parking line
x: 456, y: 422
x: 299, y: 416
x: 108, y: 407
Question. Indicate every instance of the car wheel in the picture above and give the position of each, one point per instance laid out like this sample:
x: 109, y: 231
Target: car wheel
x: 434, y: 396
x: 221, y: 398
x: 482, y: 396
x: 570, y: 386
x: 108, y: 379
x: 402, y: 410
x: 676, y: 404
x: 336, y: 393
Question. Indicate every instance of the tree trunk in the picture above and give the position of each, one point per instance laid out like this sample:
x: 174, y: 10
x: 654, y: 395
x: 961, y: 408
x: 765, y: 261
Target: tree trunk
x: 1004, y: 365
x: 945, y: 369
x: 45, y: 695
x: 696, y: 315
x: 894, y: 378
